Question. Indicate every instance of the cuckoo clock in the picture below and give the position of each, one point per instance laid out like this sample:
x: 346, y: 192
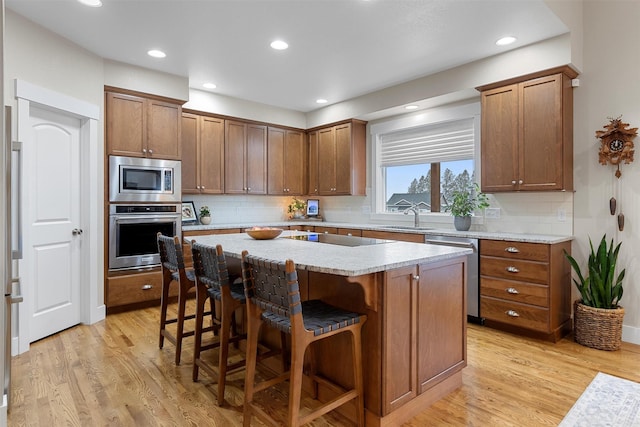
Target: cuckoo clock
x: 616, y: 143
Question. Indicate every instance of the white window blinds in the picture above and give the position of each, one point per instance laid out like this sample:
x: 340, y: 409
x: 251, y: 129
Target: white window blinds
x: 440, y: 142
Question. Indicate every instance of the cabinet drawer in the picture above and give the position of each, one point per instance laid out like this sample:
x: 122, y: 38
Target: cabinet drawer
x: 330, y: 230
x: 517, y: 250
x: 516, y: 314
x: 515, y: 269
x: 527, y: 293
x: 135, y: 288
x: 350, y: 231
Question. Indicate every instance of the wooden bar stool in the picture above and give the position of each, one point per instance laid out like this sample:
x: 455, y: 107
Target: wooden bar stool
x: 213, y: 283
x: 273, y: 297
x: 173, y: 270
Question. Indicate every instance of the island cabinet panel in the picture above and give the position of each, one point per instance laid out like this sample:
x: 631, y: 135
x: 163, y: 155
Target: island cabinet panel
x: 286, y: 154
x: 423, y: 305
x: 202, y: 154
x: 138, y: 126
x: 245, y: 158
x: 337, y: 159
x: 527, y: 133
x: 526, y: 287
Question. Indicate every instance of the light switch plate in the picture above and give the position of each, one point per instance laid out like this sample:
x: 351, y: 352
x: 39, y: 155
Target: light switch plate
x: 493, y: 213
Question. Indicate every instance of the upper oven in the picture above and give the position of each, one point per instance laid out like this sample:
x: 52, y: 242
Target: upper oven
x: 134, y: 179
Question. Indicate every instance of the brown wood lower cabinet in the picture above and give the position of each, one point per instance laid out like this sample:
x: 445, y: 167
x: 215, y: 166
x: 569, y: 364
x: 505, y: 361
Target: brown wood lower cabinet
x: 526, y: 287
x: 134, y: 288
x: 391, y: 235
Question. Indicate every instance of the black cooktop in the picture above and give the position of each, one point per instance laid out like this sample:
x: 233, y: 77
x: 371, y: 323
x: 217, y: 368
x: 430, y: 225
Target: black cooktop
x: 339, y: 239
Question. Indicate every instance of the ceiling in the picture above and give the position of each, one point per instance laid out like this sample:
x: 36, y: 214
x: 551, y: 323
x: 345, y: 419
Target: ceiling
x: 338, y: 49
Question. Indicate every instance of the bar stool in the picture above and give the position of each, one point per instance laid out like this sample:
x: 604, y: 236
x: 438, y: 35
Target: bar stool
x: 273, y: 297
x: 173, y: 270
x: 213, y: 283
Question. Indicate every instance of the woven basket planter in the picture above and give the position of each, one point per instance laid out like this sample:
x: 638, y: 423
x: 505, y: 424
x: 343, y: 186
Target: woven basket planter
x: 599, y: 328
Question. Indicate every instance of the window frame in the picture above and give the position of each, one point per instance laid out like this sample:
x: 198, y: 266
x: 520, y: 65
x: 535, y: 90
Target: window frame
x: 423, y: 118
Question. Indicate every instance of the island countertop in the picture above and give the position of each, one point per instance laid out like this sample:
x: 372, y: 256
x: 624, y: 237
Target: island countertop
x: 330, y: 258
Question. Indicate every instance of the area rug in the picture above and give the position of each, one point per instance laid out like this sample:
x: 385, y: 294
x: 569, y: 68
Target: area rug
x: 607, y: 401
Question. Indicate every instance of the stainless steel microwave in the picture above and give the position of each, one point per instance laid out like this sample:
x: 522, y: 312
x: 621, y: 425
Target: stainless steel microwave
x: 135, y: 179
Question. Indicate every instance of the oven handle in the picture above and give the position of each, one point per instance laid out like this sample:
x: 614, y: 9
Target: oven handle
x: 450, y: 243
x: 145, y: 217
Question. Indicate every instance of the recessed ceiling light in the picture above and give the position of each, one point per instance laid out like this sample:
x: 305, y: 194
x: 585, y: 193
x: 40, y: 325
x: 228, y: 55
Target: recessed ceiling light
x: 411, y: 107
x: 321, y: 101
x: 92, y: 3
x: 209, y: 85
x: 279, y: 45
x: 156, y: 53
x: 505, y: 40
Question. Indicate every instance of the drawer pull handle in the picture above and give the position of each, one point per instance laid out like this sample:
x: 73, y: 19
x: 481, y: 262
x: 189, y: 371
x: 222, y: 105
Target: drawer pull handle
x: 512, y: 313
x: 147, y: 287
x: 512, y: 250
x: 513, y: 291
x: 512, y: 269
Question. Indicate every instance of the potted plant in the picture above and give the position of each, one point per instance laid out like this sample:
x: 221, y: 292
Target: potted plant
x: 205, y: 215
x: 297, y: 208
x: 597, y: 317
x: 464, y: 203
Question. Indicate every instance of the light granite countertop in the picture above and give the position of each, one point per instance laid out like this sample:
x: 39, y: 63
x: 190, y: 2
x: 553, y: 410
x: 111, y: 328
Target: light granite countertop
x: 517, y: 237
x: 330, y: 258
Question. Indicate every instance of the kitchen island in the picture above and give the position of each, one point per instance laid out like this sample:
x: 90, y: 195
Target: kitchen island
x: 414, y: 341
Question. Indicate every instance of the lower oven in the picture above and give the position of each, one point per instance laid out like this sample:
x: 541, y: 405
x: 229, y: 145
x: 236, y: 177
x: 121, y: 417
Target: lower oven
x: 133, y: 233
x: 473, y: 276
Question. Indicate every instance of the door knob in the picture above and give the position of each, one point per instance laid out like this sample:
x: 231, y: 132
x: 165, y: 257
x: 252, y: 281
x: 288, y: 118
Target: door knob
x: 76, y: 231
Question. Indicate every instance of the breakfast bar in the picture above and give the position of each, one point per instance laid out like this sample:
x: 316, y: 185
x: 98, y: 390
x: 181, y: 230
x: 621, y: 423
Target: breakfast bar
x: 414, y: 341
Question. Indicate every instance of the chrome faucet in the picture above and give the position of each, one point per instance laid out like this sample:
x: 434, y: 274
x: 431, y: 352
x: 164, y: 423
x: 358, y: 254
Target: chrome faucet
x: 416, y: 212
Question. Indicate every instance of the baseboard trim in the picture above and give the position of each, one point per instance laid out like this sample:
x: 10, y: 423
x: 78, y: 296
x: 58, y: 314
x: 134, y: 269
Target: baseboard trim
x: 631, y: 334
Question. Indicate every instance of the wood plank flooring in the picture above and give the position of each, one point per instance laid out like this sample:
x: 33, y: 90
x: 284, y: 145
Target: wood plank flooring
x: 113, y: 374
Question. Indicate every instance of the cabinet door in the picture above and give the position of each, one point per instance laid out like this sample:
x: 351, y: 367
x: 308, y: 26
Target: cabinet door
x: 541, y: 141
x: 276, y: 156
x: 326, y: 161
x: 499, y: 140
x: 126, y: 125
x: 163, y: 130
x: 294, y: 155
x: 444, y: 322
x: 398, y: 337
x: 234, y: 148
x: 256, y: 159
x: 189, y: 129
x: 343, y: 159
x: 312, y: 185
x: 211, y: 155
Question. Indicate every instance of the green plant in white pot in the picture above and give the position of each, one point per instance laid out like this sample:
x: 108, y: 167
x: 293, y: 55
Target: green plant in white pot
x: 464, y: 203
x: 205, y: 215
x: 597, y: 315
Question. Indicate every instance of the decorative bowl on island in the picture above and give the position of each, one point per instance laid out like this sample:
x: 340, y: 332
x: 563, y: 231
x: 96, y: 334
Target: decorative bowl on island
x: 264, y: 233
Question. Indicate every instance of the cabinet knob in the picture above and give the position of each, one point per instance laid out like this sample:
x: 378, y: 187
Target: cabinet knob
x: 512, y: 269
x: 513, y: 182
x: 144, y: 150
x: 349, y: 234
x: 248, y: 188
x: 202, y: 187
x: 416, y: 277
x: 512, y: 313
x: 146, y: 287
x: 513, y: 291
x: 512, y: 250
x: 520, y: 182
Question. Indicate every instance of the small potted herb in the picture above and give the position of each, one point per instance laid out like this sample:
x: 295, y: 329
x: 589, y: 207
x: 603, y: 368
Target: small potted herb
x: 205, y: 215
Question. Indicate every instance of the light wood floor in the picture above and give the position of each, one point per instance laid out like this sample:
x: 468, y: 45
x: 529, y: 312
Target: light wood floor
x: 113, y: 374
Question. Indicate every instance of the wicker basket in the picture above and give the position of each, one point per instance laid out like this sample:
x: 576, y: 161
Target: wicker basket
x: 599, y: 328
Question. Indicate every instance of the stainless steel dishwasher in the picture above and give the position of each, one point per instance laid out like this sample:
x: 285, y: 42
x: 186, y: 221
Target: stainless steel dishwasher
x: 473, y: 282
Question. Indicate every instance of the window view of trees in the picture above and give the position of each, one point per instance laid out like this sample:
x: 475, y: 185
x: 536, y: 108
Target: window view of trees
x: 449, y: 183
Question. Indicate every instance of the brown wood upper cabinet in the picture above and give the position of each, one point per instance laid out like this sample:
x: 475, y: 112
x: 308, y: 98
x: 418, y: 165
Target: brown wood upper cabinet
x: 142, y: 127
x: 245, y: 162
x: 527, y: 133
x: 286, y: 161
x: 337, y: 159
x: 202, y: 154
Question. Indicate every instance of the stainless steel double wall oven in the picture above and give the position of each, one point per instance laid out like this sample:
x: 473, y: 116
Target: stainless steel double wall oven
x: 144, y: 199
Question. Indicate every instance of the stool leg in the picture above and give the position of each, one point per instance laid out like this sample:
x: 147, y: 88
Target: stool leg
x: 182, y: 301
x: 356, y: 337
x: 225, y: 330
x: 295, y: 383
x: 253, y: 330
x: 166, y: 284
x: 201, y: 299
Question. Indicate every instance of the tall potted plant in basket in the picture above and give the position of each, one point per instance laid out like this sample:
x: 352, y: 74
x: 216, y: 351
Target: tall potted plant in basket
x: 463, y: 204
x: 597, y: 316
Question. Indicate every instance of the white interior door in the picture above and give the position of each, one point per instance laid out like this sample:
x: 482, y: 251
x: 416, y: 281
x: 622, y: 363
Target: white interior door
x: 53, y: 232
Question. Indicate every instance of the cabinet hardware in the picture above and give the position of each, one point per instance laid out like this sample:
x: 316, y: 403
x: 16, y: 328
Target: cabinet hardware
x: 512, y: 269
x: 144, y: 150
x: 513, y: 291
x: 146, y: 287
x: 512, y: 313
x: 512, y: 250
x: 416, y: 277
x: 513, y: 182
x: 521, y: 182
x: 150, y: 151
x: 76, y: 231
